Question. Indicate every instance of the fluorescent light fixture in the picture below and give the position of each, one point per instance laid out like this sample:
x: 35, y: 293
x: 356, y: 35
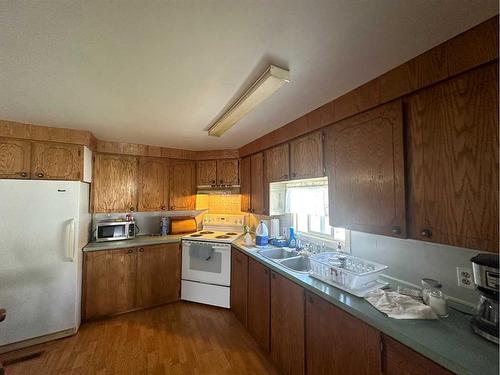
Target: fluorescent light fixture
x: 267, y: 84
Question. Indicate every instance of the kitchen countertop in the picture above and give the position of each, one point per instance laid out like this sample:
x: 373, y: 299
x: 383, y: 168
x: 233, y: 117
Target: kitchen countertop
x: 143, y: 240
x: 449, y: 342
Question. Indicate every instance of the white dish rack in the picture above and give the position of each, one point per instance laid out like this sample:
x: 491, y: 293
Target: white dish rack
x: 352, y: 274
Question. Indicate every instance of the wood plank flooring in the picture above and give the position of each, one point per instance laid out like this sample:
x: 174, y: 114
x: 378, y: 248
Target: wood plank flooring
x: 179, y: 338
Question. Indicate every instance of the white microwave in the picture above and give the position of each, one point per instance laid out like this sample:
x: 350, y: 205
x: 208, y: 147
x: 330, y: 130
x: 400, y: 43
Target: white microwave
x: 114, y: 230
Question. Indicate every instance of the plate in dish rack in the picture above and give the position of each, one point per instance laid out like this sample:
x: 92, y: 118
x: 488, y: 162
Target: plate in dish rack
x: 361, y: 292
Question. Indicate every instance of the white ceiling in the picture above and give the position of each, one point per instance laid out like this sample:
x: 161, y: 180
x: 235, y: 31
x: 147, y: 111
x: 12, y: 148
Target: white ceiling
x: 160, y: 72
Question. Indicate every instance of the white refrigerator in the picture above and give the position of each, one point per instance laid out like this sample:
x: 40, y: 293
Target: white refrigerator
x: 43, y: 227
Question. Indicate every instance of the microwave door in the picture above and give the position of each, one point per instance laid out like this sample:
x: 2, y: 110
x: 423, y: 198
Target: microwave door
x: 111, y: 232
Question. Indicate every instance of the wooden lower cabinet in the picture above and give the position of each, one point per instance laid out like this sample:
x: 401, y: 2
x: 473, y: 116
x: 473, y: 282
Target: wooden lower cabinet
x: 258, y: 305
x: 398, y: 359
x: 287, y: 325
x: 338, y: 343
x: 239, y: 285
x: 121, y: 280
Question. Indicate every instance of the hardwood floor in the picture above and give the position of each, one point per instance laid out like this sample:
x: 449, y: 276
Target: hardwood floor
x: 179, y: 338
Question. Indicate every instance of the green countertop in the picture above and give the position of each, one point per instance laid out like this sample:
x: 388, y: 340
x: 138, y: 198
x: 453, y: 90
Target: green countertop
x: 449, y: 342
x: 137, y: 241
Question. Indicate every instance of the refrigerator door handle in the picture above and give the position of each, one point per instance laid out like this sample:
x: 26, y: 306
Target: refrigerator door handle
x: 70, y: 240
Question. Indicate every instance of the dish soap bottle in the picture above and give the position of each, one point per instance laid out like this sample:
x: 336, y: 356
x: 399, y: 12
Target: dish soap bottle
x: 292, y: 242
x: 261, y: 235
x: 247, y: 239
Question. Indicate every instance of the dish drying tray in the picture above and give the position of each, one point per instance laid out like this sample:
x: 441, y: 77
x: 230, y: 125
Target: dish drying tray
x: 351, y: 274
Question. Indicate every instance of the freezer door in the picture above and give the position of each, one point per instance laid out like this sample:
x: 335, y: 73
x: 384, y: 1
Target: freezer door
x: 39, y: 257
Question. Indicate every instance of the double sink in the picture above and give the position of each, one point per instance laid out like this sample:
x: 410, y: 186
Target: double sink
x: 288, y: 258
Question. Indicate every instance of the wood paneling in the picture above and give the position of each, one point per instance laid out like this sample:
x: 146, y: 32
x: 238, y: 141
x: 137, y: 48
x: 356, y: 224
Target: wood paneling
x: 109, y: 282
x: 258, y: 196
x: 287, y: 325
x: 216, y: 154
x: 365, y: 167
x: 398, y: 359
x: 239, y: 285
x: 158, y: 274
x: 466, y: 51
x: 153, y: 184
x: 278, y: 163
x: 246, y: 182
x: 259, y: 300
x: 206, y: 172
x: 182, y: 185
x: 228, y: 172
x: 453, y: 161
x: 306, y: 156
x: 114, y: 187
x: 56, y: 161
x: 338, y: 343
x: 15, y: 158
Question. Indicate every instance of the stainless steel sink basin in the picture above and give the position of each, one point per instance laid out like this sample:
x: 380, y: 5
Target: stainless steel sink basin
x: 278, y: 253
x: 298, y: 264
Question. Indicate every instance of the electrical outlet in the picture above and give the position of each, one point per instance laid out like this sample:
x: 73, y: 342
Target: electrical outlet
x: 464, y: 278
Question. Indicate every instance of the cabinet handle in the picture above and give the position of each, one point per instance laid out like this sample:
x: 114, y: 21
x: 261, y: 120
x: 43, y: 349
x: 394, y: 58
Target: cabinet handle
x: 40, y: 174
x: 214, y: 182
x: 172, y: 207
x: 396, y: 230
x: 285, y: 177
x: 132, y: 208
x: 141, y: 249
x: 266, y: 271
x: 163, y: 208
x: 130, y: 251
x: 426, y: 233
x: 23, y: 174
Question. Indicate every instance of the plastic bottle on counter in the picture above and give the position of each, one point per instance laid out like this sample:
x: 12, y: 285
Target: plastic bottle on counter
x: 247, y: 239
x: 262, y: 235
x: 292, y: 241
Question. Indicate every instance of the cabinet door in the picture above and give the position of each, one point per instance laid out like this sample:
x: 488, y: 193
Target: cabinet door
x: 306, y: 156
x: 239, y: 283
x: 365, y: 168
x: 259, y: 299
x: 206, y: 172
x: 182, y: 185
x: 228, y: 172
x: 115, y: 183
x: 258, y: 191
x: 246, y: 182
x: 109, y: 282
x: 398, y: 359
x: 278, y: 163
x: 153, y: 184
x: 338, y: 343
x: 287, y: 325
x: 453, y: 161
x: 15, y: 158
x: 158, y: 274
x: 56, y: 161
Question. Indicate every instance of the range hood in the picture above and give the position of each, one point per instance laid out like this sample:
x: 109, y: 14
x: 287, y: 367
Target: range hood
x: 218, y: 189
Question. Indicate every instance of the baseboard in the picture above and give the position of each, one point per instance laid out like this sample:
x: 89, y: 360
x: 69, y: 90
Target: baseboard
x: 37, y: 340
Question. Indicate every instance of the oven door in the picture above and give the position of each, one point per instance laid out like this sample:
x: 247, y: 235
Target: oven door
x: 206, y: 262
x: 111, y: 232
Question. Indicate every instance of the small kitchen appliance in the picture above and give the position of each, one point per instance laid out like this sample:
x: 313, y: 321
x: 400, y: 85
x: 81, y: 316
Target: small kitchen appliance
x: 206, y: 260
x: 114, y: 230
x: 485, y: 273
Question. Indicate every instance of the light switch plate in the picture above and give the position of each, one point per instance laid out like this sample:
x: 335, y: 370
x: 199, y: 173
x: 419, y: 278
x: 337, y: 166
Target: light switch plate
x: 464, y: 278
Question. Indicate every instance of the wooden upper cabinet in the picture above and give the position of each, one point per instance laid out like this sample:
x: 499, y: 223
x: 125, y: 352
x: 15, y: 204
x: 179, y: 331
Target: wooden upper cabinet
x: 239, y: 284
x: 338, y: 343
x: 278, y: 163
x: 206, y: 172
x: 398, y: 359
x: 158, y: 274
x: 364, y: 162
x: 109, y: 282
x: 15, y: 158
x: 182, y: 185
x: 56, y: 161
x: 258, y: 192
x: 453, y: 161
x: 228, y: 172
x: 246, y: 182
x: 306, y: 156
x: 287, y: 325
x: 115, y: 183
x: 153, y: 184
x: 258, y: 303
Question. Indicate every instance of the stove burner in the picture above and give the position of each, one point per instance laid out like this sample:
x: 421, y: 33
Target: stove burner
x: 231, y: 234
x: 206, y: 232
x: 195, y: 235
x: 222, y: 236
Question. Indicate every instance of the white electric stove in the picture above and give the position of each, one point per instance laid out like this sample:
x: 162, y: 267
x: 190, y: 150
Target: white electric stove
x: 206, y: 260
